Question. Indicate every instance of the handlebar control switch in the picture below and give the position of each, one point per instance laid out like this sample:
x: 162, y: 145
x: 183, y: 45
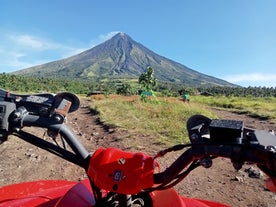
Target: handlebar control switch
x: 226, y: 131
x: 197, y: 126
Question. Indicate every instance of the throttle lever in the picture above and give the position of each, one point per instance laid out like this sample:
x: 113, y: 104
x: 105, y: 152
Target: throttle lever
x: 266, y: 139
x: 62, y: 110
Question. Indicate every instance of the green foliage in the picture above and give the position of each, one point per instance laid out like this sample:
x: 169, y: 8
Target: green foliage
x: 239, y: 91
x: 126, y: 89
x: 122, y: 86
x: 42, y: 84
x: 147, y: 80
x: 168, y: 89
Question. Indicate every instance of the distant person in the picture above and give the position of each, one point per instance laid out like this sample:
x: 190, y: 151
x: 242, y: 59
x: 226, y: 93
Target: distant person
x: 186, y: 98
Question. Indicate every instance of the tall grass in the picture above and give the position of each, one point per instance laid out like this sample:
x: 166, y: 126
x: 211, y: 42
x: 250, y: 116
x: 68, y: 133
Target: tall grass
x: 164, y: 119
x: 261, y: 107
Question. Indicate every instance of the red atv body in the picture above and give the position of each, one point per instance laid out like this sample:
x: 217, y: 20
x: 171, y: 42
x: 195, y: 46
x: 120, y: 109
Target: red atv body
x: 58, y: 193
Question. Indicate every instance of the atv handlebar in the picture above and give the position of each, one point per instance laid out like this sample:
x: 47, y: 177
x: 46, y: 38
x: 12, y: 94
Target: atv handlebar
x: 239, y: 154
x: 223, y: 138
x: 54, y: 126
x: 62, y: 129
x: 208, y: 138
x: 47, y: 111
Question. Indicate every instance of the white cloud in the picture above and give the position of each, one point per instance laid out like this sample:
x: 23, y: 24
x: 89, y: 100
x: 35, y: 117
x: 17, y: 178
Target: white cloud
x: 252, y: 79
x: 32, y: 42
x: 15, y: 60
x: 70, y: 51
x: 18, y: 51
x: 103, y: 37
x: 23, y: 50
x: 100, y: 39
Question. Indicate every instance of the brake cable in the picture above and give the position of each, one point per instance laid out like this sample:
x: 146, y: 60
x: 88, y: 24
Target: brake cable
x: 171, y: 149
x: 178, y: 178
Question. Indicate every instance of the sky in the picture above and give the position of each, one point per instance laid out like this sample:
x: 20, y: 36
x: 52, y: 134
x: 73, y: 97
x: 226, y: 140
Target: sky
x: 234, y: 40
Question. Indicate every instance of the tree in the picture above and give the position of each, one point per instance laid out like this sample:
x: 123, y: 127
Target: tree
x: 147, y: 80
x: 125, y: 89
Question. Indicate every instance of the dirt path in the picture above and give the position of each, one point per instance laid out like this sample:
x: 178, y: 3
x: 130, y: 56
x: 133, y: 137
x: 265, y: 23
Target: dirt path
x: 20, y: 161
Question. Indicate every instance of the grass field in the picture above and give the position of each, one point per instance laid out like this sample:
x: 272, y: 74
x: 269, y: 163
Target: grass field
x: 264, y: 108
x: 166, y: 118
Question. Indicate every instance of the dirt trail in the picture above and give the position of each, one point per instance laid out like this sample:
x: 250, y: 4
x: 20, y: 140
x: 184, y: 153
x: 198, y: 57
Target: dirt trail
x: 20, y: 161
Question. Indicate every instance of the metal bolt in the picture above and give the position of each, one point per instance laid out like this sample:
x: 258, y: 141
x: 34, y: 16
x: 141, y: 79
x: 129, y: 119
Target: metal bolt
x: 194, y: 136
x: 271, y: 148
x: 237, y: 165
x: 206, y: 162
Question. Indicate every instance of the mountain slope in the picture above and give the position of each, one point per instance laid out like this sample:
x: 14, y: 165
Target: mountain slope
x: 121, y: 57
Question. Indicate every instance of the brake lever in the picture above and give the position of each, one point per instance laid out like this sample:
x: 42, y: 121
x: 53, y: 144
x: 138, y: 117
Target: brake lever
x: 61, y: 100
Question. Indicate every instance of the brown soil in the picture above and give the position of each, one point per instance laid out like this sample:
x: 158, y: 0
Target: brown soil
x: 20, y: 161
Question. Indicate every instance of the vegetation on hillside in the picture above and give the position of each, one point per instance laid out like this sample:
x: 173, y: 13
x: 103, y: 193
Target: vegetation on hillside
x: 240, y: 91
x: 42, y: 84
x: 120, y: 86
x: 121, y: 57
x: 165, y: 120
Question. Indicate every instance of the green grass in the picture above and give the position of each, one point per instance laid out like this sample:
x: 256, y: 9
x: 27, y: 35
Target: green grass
x: 263, y: 108
x: 165, y: 119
